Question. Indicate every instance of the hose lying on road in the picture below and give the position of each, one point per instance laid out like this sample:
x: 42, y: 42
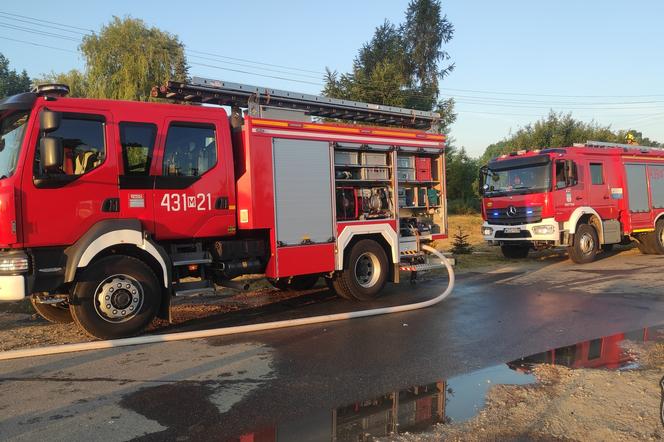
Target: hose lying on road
x: 152, y: 339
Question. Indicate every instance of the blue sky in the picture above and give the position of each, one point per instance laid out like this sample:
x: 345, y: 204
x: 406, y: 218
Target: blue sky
x: 515, y: 60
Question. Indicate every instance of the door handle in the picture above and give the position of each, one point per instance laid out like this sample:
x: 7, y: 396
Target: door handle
x: 221, y: 203
x: 606, y: 197
x: 579, y: 198
x: 111, y: 205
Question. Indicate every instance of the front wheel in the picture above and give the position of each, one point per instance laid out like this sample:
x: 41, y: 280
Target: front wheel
x: 55, y: 313
x: 365, y: 272
x: 585, y: 246
x: 515, y: 251
x: 116, y: 297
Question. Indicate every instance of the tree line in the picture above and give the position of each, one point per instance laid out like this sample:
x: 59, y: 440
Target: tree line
x: 402, y: 65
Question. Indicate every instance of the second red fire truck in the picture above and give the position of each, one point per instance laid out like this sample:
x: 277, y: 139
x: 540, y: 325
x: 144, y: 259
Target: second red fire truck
x: 587, y: 198
x: 110, y: 208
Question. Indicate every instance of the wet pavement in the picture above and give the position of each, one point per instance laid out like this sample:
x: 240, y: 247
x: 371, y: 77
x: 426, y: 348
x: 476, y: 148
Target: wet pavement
x: 341, y: 380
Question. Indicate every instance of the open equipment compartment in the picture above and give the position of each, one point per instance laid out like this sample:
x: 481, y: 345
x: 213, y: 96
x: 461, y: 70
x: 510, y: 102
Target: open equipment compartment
x: 364, y: 181
x: 420, y: 190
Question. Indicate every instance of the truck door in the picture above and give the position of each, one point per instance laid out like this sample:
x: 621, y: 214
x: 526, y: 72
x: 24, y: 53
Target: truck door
x: 599, y: 192
x: 194, y: 195
x: 137, y: 141
x: 57, y: 208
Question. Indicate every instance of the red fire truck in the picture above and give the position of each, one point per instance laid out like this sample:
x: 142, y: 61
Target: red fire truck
x: 110, y: 208
x: 587, y: 198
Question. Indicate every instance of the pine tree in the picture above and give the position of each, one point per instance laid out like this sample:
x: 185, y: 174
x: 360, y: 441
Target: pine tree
x: 461, y: 246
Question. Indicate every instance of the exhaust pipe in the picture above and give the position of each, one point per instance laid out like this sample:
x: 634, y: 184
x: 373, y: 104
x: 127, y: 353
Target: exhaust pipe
x: 234, y: 285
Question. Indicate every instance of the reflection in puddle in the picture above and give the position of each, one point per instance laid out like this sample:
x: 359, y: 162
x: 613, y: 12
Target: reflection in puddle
x: 417, y: 408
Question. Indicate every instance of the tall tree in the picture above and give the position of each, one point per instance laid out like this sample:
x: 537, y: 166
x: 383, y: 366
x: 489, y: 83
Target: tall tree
x: 11, y: 81
x: 401, y: 65
x: 127, y: 58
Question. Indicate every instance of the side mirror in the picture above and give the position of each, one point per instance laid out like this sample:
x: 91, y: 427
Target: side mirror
x: 482, y: 187
x: 49, y: 120
x: 51, y: 154
x: 571, y: 177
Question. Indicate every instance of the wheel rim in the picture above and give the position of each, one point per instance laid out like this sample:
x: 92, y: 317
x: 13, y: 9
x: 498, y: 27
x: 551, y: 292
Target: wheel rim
x: 118, y: 298
x: 661, y: 237
x: 586, y: 244
x: 367, y: 269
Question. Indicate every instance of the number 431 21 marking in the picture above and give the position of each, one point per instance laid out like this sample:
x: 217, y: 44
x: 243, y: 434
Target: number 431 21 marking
x: 181, y: 202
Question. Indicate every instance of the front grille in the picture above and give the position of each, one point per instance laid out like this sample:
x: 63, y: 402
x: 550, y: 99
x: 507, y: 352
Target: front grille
x: 516, y: 216
x: 521, y: 235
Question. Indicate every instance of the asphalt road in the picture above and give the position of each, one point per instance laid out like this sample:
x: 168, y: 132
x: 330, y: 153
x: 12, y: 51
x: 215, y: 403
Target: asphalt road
x: 290, y: 380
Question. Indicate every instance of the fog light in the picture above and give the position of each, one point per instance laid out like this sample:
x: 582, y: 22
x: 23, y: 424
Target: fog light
x: 544, y: 230
x: 14, y: 264
x: 487, y: 231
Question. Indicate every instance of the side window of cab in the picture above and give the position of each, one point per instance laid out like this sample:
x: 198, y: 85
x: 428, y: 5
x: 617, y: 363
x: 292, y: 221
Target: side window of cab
x: 83, y: 145
x: 190, y: 150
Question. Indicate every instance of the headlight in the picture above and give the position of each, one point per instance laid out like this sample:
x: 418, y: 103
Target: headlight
x: 487, y: 231
x: 544, y: 230
x: 14, y: 263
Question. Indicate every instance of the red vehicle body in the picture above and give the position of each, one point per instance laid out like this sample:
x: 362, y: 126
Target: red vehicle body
x: 585, y: 197
x: 109, y: 208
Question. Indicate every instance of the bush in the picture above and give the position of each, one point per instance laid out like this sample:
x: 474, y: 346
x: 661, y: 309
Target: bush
x: 463, y: 207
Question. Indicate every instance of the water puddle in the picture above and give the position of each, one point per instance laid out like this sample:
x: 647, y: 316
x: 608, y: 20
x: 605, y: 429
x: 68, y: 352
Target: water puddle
x: 417, y: 408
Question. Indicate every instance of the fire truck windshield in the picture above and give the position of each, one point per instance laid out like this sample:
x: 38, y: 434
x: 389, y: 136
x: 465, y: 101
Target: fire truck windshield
x: 12, y: 130
x: 517, y: 181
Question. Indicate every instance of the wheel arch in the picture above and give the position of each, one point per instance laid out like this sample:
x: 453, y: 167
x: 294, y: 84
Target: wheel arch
x: 109, y: 235
x: 585, y: 215
x: 384, y: 234
x: 659, y: 218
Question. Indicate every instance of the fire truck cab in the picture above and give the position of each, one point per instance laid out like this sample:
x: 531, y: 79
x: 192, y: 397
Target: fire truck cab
x: 109, y: 208
x: 587, y: 198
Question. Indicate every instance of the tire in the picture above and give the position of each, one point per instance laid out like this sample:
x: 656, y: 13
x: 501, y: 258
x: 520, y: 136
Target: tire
x: 296, y: 283
x: 657, y: 240
x: 646, y: 243
x: 364, y: 274
x: 514, y: 251
x: 330, y: 285
x: 131, y: 295
x: 55, y: 313
x: 585, y: 247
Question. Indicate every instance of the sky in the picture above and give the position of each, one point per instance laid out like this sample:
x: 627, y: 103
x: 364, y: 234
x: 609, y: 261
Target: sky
x: 515, y: 60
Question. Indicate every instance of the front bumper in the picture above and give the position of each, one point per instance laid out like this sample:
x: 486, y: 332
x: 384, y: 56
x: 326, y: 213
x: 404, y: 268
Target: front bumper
x: 523, y: 233
x: 12, y: 288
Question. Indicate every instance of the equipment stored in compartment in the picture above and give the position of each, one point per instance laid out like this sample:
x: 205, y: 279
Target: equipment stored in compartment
x: 374, y: 159
x: 348, y: 203
x: 375, y: 173
x: 406, y: 174
x: 346, y: 158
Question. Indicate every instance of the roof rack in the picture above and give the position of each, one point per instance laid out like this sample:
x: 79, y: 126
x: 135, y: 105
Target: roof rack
x: 207, y: 91
x: 607, y: 145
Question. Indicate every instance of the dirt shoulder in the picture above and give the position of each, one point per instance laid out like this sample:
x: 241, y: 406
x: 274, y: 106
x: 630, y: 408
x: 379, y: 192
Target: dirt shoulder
x: 569, y: 404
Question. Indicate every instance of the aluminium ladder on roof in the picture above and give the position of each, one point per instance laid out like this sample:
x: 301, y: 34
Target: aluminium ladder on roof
x: 207, y: 91
x: 609, y: 145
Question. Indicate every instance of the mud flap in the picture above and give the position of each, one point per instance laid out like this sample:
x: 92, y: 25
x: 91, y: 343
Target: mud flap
x: 164, y: 311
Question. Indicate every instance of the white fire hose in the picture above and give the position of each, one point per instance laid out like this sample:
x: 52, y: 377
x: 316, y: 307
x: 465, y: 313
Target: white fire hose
x: 223, y: 331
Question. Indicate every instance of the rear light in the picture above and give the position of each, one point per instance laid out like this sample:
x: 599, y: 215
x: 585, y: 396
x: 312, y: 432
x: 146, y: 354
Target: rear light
x: 14, y: 263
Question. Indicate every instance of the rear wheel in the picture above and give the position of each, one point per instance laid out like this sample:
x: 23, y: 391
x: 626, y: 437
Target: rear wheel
x: 658, y: 238
x: 585, y: 246
x: 295, y: 283
x: 116, y: 297
x: 515, y: 251
x: 55, y: 313
x: 365, y: 272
